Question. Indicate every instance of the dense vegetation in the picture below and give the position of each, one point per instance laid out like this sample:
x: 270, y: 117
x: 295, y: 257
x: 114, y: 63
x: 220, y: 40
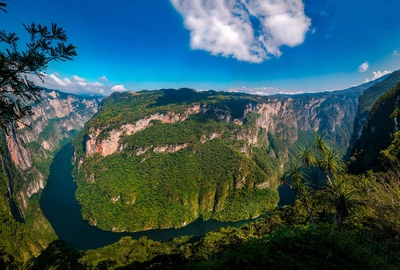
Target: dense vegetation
x: 207, y: 165
x: 128, y: 107
x: 368, y: 238
x: 20, y: 235
x: 351, y: 223
x: 209, y: 179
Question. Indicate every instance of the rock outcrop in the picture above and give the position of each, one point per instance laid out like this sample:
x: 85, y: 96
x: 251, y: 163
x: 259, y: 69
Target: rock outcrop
x: 281, y: 116
x: 111, y: 143
x: 56, y: 118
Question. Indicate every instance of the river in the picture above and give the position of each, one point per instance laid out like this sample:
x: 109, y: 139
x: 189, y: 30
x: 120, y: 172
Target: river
x: 60, y: 207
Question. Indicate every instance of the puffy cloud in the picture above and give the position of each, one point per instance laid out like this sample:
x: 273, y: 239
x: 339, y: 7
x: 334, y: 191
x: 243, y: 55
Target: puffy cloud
x: 251, y: 30
x: 118, y: 87
x: 396, y: 53
x: 78, y: 79
x: 363, y: 67
x: 103, y: 78
x: 76, y: 84
x: 262, y: 91
x: 378, y: 74
x: 62, y: 82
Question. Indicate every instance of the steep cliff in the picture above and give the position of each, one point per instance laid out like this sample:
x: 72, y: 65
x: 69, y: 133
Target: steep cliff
x: 380, y: 131
x: 26, y: 155
x: 157, y: 159
x: 57, y: 118
x: 367, y: 100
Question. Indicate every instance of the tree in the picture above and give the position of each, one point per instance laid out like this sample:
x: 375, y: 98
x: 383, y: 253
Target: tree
x: 327, y: 160
x: 3, y: 5
x: 342, y: 197
x: 17, y: 67
x: 294, y: 178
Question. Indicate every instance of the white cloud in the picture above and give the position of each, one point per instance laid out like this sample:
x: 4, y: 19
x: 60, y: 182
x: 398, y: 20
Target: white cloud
x: 62, y: 82
x: 103, y: 78
x: 363, y: 67
x: 76, y: 84
x: 224, y: 27
x: 118, y: 87
x: 78, y: 79
x: 396, y: 53
x: 261, y: 91
x: 378, y: 74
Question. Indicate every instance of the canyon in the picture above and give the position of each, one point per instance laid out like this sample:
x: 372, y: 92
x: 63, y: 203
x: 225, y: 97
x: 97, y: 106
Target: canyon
x: 251, y: 138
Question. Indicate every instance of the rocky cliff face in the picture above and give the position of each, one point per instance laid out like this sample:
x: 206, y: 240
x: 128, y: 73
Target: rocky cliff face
x: 280, y: 116
x: 57, y: 118
x: 111, y: 143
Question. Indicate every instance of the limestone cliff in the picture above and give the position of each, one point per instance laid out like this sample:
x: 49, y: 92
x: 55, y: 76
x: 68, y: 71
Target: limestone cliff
x: 57, y: 117
x: 281, y: 116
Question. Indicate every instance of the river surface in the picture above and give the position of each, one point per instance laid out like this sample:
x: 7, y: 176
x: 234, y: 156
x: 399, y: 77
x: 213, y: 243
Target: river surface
x: 60, y: 207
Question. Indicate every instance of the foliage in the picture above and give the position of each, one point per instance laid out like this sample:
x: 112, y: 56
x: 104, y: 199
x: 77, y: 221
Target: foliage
x: 210, y: 180
x: 167, y: 175
x: 342, y: 197
x: 194, y: 187
x: 128, y: 107
x: 22, y: 236
x: 281, y: 240
x: 58, y: 255
x: 21, y: 241
x: 16, y: 88
x: 382, y: 200
x: 327, y: 160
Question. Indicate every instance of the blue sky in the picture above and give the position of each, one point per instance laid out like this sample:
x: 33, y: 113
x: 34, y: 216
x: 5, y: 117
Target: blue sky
x: 255, y: 46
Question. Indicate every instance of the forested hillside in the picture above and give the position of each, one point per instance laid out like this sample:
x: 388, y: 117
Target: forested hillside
x: 159, y: 159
